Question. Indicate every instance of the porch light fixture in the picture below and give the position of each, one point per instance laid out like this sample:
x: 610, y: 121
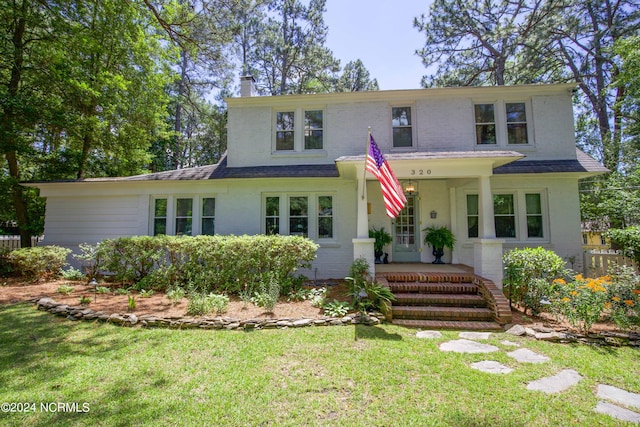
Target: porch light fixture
x: 434, y: 214
x: 410, y: 187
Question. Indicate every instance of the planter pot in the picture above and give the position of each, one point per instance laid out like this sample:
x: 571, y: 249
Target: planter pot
x: 438, y: 253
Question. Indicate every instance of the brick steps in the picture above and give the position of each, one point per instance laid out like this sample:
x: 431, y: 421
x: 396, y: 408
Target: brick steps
x: 442, y: 313
x: 451, y: 325
x: 446, y: 301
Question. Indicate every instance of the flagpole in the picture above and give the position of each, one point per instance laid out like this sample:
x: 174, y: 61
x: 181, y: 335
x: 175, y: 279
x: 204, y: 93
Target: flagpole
x: 366, y: 153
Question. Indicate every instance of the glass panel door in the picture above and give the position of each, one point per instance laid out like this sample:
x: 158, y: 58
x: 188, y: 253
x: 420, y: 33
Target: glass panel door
x: 406, y: 233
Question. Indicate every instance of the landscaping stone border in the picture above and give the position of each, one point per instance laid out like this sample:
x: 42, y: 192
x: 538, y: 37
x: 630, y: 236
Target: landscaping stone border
x: 227, y: 323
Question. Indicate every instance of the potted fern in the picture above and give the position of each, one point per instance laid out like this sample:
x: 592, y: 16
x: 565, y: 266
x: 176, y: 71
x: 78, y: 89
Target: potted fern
x: 439, y: 238
x: 382, y: 239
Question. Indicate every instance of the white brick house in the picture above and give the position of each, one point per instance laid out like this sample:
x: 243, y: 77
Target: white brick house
x: 497, y: 165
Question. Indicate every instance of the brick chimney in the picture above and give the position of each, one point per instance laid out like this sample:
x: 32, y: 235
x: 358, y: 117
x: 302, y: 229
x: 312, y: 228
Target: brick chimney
x: 248, y: 86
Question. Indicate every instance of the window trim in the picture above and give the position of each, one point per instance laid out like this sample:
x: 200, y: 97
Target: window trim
x: 299, y: 130
x: 501, y: 124
x: 172, y: 206
x: 520, y: 212
x: 312, y: 214
x: 414, y: 140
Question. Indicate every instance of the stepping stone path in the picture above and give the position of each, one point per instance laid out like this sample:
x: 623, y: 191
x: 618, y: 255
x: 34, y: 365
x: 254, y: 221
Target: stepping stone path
x: 557, y: 383
x: 621, y: 397
x: 524, y: 355
x: 553, y: 384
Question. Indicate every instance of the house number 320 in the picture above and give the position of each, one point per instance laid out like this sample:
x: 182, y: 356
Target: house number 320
x: 420, y: 172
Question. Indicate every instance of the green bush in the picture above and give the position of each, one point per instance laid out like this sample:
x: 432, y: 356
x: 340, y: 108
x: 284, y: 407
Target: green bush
x: 65, y: 289
x: 204, y: 264
x: 73, y: 274
x: 5, y: 264
x: 204, y: 304
x: 366, y: 293
x: 38, y: 262
x: 336, y: 308
x: 529, y: 276
x: 268, y: 293
x: 628, y: 240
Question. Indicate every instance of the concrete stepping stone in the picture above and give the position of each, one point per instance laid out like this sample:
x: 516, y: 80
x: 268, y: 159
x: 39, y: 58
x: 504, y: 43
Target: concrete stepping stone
x: 428, y: 334
x: 525, y: 355
x: 491, y: 367
x: 617, y: 412
x: 475, y: 335
x: 510, y: 343
x: 467, y: 346
x: 618, y: 395
x: 557, y: 383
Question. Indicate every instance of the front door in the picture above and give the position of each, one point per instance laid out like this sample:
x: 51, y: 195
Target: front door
x: 406, y: 233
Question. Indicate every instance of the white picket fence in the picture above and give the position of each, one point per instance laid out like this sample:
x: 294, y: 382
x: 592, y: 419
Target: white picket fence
x: 599, y: 262
x: 13, y: 242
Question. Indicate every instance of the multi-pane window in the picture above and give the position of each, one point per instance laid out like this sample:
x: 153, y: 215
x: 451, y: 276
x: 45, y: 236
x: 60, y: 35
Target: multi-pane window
x: 184, y: 216
x: 504, y: 215
x: 401, y: 124
x: 285, y: 130
x: 160, y: 217
x: 313, y: 128
x: 272, y: 217
x: 472, y: 215
x: 208, y: 216
x: 516, y: 123
x: 485, y: 123
x: 534, y: 215
x: 325, y: 217
x: 299, y: 216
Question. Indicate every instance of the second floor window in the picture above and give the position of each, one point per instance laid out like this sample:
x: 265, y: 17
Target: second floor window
x: 485, y: 124
x: 285, y: 130
x: 401, y: 124
x: 313, y: 130
x: 516, y: 123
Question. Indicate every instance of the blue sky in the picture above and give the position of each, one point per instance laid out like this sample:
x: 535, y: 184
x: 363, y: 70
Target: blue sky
x: 381, y: 34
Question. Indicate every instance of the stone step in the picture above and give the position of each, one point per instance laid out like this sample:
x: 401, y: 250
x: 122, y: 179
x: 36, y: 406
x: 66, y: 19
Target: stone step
x: 455, y: 300
x: 448, y: 324
x: 441, y: 313
x: 433, y: 288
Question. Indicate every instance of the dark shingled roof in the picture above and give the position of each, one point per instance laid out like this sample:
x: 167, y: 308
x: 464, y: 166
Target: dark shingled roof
x: 220, y: 170
x: 583, y: 163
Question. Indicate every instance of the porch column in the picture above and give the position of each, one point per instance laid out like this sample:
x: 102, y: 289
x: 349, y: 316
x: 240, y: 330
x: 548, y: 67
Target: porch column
x: 487, y: 250
x: 362, y: 244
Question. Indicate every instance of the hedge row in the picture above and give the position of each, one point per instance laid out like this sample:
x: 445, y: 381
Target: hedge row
x: 201, y: 263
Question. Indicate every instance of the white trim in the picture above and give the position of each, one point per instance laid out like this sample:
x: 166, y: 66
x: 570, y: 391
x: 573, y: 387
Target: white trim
x: 500, y: 120
x: 413, y: 125
x: 298, y: 132
x: 171, y: 214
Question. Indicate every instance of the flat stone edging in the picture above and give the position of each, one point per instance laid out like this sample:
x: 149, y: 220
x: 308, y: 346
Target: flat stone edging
x: 227, y: 323
x: 616, y: 339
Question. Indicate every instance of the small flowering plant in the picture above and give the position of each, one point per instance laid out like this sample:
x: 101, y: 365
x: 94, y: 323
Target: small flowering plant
x: 582, y: 300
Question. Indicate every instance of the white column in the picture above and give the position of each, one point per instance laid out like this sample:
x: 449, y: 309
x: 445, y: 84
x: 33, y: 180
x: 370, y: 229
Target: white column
x: 362, y: 244
x: 487, y: 250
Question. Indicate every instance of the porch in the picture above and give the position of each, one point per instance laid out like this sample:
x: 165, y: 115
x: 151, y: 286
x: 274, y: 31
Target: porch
x: 443, y: 296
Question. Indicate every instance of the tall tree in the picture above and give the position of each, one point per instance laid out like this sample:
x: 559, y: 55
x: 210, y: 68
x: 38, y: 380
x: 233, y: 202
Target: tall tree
x: 290, y: 54
x: 355, y: 78
x: 479, y: 42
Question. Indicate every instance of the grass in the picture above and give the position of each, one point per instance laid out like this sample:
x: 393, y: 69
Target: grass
x: 346, y: 376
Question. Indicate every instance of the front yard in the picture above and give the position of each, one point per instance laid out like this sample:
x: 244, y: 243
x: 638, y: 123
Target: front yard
x: 351, y: 375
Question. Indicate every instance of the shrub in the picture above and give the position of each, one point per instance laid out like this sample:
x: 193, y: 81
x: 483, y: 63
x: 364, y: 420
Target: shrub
x: 624, y: 297
x: 5, y: 264
x: 366, y: 293
x: 267, y: 294
x: 39, y: 262
x: 73, y: 274
x: 65, y: 289
x: 204, y: 304
x: 102, y: 290
x: 529, y: 275
x: 129, y: 258
x: 84, y: 300
x: 90, y: 258
x: 175, y: 295
x: 336, y: 308
x: 581, y: 301
x: 146, y: 293
x: 627, y: 239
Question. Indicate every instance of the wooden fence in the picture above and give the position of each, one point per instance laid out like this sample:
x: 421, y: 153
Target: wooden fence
x: 599, y: 262
x: 13, y: 242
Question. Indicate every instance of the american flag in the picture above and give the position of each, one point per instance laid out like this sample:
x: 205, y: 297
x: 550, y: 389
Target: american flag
x: 394, y: 199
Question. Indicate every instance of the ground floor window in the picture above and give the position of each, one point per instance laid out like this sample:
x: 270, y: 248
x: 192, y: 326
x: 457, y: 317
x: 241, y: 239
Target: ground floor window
x: 517, y: 215
x: 183, y: 215
x: 309, y: 215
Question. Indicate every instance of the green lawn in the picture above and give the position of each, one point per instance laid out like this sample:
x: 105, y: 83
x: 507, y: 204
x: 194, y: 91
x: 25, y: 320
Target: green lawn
x: 343, y: 376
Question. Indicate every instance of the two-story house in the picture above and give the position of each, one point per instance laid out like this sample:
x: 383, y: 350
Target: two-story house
x: 497, y: 165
